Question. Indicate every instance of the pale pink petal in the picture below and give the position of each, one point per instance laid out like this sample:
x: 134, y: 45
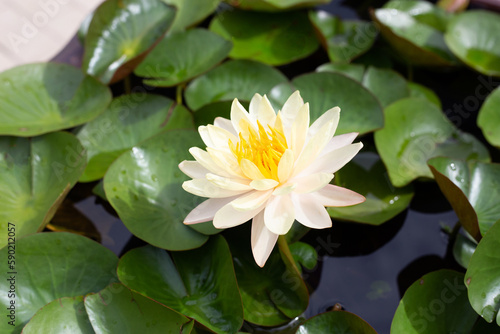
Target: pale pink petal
x: 263, y: 240
x: 310, y: 212
x: 339, y: 141
x: 333, y: 161
x: 229, y: 183
x: 330, y: 115
x: 253, y: 108
x: 285, y: 166
x: 205, y: 188
x: 252, y: 200
x: 205, y: 211
x: 311, y: 182
x: 279, y: 214
x: 332, y: 195
x: 266, y: 114
x: 263, y: 184
x: 299, y: 131
x: 225, y: 124
x: 204, y: 159
x: 228, y: 216
x: 193, y: 169
x: 284, y: 189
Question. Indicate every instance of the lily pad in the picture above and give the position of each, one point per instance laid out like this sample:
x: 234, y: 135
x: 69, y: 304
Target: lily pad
x: 63, y: 315
x: 488, y: 118
x: 275, y: 5
x: 343, y: 40
x: 336, y: 322
x: 144, y: 186
x: 435, y: 304
x: 116, y: 309
x: 206, y: 292
x: 128, y: 120
x: 407, y: 142
x: 479, y: 182
x: 463, y: 248
x: 353, y: 71
x: 46, y: 97
x: 270, y: 38
x: 415, y: 30
x: 473, y: 38
x: 182, y: 56
x: 35, y: 176
x: 239, y: 79
x: 361, y: 112
x: 120, y: 35
x: 366, y: 175
x: 483, y: 276
x: 190, y: 12
x: 417, y: 90
x: 304, y: 255
x: 52, y: 265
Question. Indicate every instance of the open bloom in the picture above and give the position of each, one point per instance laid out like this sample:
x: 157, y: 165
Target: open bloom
x: 271, y: 168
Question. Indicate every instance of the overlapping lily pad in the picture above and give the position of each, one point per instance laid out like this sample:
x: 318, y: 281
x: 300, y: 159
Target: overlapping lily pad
x: 35, y: 176
x: 473, y: 190
x: 366, y: 175
x: 483, y: 276
x: 45, y: 97
x: 128, y: 120
x: 53, y: 265
x: 488, y: 118
x: 463, y: 248
x: 435, y: 304
x: 361, y: 111
x: 415, y: 30
x: 417, y: 90
x: 144, y: 186
x: 473, y: 37
x: 182, y: 56
x: 343, y: 40
x: 407, y: 142
x: 336, y: 322
x: 190, y: 12
x: 270, y: 38
x: 121, y: 33
x: 206, y: 292
x: 234, y: 79
x: 275, y: 5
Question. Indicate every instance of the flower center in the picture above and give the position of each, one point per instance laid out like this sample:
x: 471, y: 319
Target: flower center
x: 263, y: 148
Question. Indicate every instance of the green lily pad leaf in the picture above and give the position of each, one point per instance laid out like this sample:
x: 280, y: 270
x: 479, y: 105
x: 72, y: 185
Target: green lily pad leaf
x: 128, y: 120
x: 120, y: 35
x: 52, y: 265
x: 483, y: 276
x: 304, y: 255
x: 144, y: 186
x: 275, y: 5
x: 63, y: 315
x: 366, y: 175
x: 453, y: 5
x: 488, y: 118
x: 415, y: 30
x: 272, y: 295
x: 35, y: 176
x: 435, y: 304
x: 353, y: 71
x: 190, y: 12
x: 361, y: 112
x: 206, y: 292
x: 473, y: 38
x: 463, y: 248
x: 343, y: 40
x: 417, y: 90
x: 336, y: 322
x: 182, y: 56
x: 116, y: 309
x: 46, y: 97
x: 407, y: 142
x: 239, y: 79
x: 479, y: 182
x: 270, y: 38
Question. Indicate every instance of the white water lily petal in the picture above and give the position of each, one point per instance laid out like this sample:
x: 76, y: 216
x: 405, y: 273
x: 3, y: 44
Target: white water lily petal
x: 239, y: 114
x: 339, y: 141
x: 334, y: 160
x: 253, y: 108
x: 263, y: 240
x: 203, y: 131
x: 279, y: 214
x: 205, y: 188
x: 252, y: 200
x: 330, y: 115
x: 193, y: 169
x: 204, y: 159
x: 220, y: 137
x: 205, y: 211
x: 229, y: 183
x: 263, y: 184
x: 251, y: 170
x: 332, y: 195
x: 226, y: 161
x: 290, y: 110
x: 285, y: 166
x: 266, y: 114
x: 284, y: 189
x: 225, y: 124
x: 311, y: 213
x: 311, y: 182
x: 300, y: 128
x: 228, y: 216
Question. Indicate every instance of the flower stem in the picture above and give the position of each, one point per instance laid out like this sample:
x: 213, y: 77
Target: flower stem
x: 285, y: 250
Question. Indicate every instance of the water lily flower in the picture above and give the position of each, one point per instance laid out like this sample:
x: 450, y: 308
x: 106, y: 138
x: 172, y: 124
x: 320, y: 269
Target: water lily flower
x: 270, y: 167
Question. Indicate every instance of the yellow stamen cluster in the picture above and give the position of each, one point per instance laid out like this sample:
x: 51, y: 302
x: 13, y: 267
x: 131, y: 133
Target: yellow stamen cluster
x: 263, y: 148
